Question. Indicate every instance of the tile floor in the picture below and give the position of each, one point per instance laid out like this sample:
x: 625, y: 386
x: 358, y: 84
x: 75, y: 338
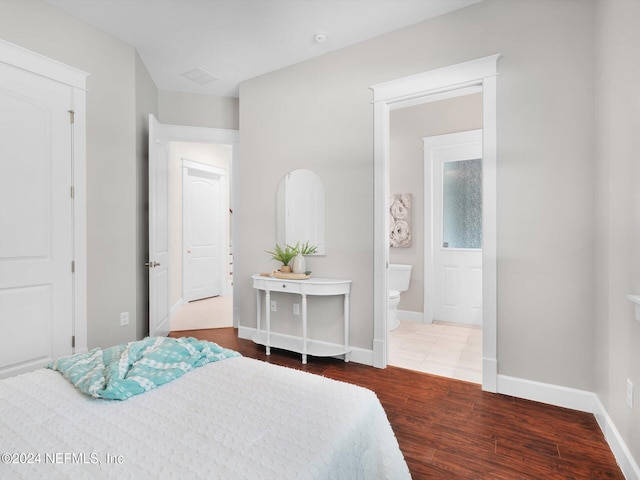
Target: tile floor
x: 440, y: 348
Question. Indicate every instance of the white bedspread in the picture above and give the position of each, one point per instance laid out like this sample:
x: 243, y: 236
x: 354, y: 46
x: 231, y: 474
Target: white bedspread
x: 235, y: 419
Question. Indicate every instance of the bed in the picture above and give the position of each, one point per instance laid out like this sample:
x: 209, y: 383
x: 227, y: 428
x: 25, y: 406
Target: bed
x: 238, y: 418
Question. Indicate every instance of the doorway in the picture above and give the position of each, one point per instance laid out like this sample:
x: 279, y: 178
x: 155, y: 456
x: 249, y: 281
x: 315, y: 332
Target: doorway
x: 480, y: 73
x: 169, y: 145
x: 200, y: 244
x: 453, y: 248
x: 204, y: 232
x: 441, y: 172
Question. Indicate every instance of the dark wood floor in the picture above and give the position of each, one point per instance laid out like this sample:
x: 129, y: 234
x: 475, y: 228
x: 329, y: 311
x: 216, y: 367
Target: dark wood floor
x: 451, y: 430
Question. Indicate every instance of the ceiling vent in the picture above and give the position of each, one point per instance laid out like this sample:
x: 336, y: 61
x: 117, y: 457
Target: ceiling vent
x: 199, y: 76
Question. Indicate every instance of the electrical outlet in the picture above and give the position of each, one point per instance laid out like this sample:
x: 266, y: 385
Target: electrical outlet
x: 274, y: 306
x: 124, y: 319
x: 629, y: 393
x: 296, y: 309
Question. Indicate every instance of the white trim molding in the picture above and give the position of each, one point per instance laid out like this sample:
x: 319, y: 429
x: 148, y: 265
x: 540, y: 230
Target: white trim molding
x: 33, y: 62
x: 574, y: 399
x: 621, y: 452
x: 449, y: 80
x: 441, y: 80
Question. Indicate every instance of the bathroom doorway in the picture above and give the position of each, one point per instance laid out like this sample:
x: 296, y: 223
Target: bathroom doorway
x: 439, y: 84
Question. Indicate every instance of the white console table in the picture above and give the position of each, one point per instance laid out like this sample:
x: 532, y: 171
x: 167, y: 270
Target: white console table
x: 309, y: 287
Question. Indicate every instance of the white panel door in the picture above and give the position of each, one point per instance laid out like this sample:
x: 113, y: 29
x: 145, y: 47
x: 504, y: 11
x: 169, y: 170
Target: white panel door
x: 158, y: 263
x: 36, y: 221
x: 457, y: 228
x: 202, y: 234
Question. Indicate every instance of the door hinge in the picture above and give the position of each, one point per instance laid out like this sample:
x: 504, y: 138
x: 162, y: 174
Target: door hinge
x: 73, y: 192
x: 72, y: 116
x: 73, y: 266
x: 73, y: 341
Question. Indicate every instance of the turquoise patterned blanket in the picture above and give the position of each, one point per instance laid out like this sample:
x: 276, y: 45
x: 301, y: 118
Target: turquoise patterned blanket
x: 132, y: 368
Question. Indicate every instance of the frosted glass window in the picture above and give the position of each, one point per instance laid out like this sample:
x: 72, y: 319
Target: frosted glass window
x: 462, y: 204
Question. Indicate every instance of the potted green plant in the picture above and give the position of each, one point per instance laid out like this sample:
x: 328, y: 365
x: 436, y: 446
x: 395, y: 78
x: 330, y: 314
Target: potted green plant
x: 283, y: 255
x: 306, y: 249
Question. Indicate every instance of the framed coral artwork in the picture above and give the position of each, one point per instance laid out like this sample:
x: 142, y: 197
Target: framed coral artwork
x: 400, y: 220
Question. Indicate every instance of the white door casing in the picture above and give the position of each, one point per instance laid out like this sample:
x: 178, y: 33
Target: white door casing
x: 481, y: 72
x: 158, y: 263
x: 453, y: 274
x: 204, y: 230
x: 42, y: 210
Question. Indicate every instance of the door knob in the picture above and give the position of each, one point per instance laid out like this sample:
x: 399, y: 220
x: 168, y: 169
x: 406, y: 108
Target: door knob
x: 151, y: 264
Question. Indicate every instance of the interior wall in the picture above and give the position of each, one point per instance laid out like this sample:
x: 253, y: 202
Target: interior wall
x: 318, y: 115
x: 120, y: 96
x: 217, y: 155
x: 407, y: 127
x: 617, y: 356
x: 190, y: 109
x: 111, y: 155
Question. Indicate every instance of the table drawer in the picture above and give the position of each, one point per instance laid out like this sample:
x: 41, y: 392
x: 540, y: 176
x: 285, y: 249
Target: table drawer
x: 283, y: 286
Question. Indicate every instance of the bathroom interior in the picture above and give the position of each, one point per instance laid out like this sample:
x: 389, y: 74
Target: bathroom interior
x: 435, y: 312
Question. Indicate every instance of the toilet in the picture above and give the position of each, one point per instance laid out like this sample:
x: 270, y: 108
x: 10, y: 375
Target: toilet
x: 398, y: 279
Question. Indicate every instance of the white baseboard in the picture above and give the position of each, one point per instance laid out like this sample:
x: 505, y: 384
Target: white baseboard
x: 625, y: 460
x: 245, y: 332
x: 362, y: 355
x: 428, y: 314
x: 419, y: 317
x: 409, y: 316
x: 379, y: 353
x: 489, y: 374
x: 575, y: 399
x: 546, y: 393
x: 358, y: 355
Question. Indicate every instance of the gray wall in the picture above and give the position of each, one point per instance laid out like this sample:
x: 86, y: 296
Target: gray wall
x: 318, y: 115
x: 146, y: 103
x: 121, y: 94
x: 407, y: 127
x: 180, y: 108
x: 569, y: 218
x: 617, y: 346
x: 112, y: 163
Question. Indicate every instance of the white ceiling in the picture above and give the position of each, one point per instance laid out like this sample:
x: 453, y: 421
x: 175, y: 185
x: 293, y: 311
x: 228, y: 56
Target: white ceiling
x: 235, y: 40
